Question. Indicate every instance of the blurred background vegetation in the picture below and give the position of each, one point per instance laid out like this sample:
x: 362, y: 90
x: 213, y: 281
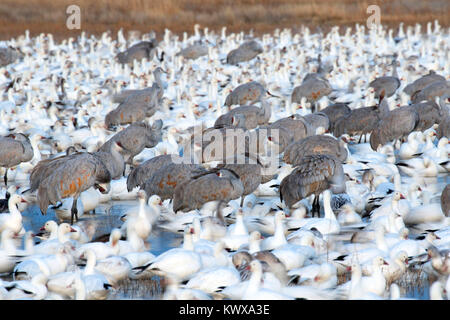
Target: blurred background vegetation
x: 97, y: 16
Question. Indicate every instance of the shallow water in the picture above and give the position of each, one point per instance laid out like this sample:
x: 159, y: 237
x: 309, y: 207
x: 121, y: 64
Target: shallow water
x: 413, y: 284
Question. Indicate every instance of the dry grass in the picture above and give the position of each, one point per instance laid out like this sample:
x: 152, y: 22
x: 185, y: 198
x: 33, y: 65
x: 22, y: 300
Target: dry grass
x: 44, y: 16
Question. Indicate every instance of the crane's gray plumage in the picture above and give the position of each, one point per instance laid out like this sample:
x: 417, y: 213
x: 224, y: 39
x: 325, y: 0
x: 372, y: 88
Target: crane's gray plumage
x: 336, y: 111
x: 218, y: 185
x: 313, y: 175
x: 145, y: 170
x: 165, y: 179
x: 397, y: 124
x: 317, y: 144
x: 138, y: 51
x: 194, y: 51
x: 445, y: 200
x: 429, y: 114
x: 68, y: 176
x: 415, y: 87
x: 443, y: 129
x: 295, y: 126
x: 14, y: 149
x: 431, y: 91
x: 157, y: 85
x: 245, y: 52
x: 247, y: 93
x: 316, y: 120
x: 313, y: 88
x: 387, y: 84
x: 253, y: 116
x: 9, y: 55
x: 135, y: 138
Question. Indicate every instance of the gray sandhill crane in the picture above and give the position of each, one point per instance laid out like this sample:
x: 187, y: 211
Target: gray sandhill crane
x: 70, y: 175
x: 220, y: 185
x: 157, y: 85
x: 135, y: 138
x: 247, y: 93
x: 193, y: 51
x: 9, y: 55
x: 253, y: 116
x: 295, y: 125
x: 445, y: 200
x: 313, y: 175
x: 429, y: 114
x: 249, y: 169
x: 415, y: 87
x: 317, y: 120
x: 317, y: 144
x: 443, y: 129
x: 361, y: 121
x: 138, y: 51
x: 14, y: 149
x: 313, y: 88
x: 245, y: 52
x: 164, y: 180
x: 387, y: 84
x: 145, y: 170
x: 336, y: 111
x: 393, y: 125
x: 432, y: 91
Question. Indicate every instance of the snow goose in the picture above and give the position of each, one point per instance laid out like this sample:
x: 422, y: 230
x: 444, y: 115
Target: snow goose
x: 177, y: 262
x: 323, y: 276
x: 210, y: 280
x: 413, y: 247
x: 393, y: 270
x: 278, y: 239
x: 139, y: 220
x: 328, y: 224
x: 437, y: 291
x: 114, y: 268
x: 172, y: 291
x: 254, y: 291
x: 13, y: 219
x: 102, y: 250
x: 348, y: 216
x: 52, y: 245
x: 34, y: 289
x: 7, y: 249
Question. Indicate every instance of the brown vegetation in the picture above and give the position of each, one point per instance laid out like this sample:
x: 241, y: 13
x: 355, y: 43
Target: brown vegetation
x: 49, y: 16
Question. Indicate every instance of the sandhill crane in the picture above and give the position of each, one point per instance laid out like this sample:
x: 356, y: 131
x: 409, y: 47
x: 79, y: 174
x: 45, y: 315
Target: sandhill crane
x: 429, y: 114
x: 14, y: 149
x: 431, y: 91
x: 245, y: 52
x: 164, y: 180
x: 317, y: 120
x: 445, y: 200
x: 193, y: 51
x: 220, y: 185
x: 157, y: 85
x: 247, y: 93
x: 443, y: 129
x: 253, y: 115
x: 134, y: 108
x: 336, y: 111
x: 396, y: 124
x: 387, y: 84
x: 8, y: 55
x: 145, y: 170
x: 313, y: 175
x: 295, y: 125
x: 138, y: 51
x: 69, y: 176
x: 317, y: 144
x: 415, y: 87
x: 313, y: 89
x: 361, y: 120
x: 135, y: 138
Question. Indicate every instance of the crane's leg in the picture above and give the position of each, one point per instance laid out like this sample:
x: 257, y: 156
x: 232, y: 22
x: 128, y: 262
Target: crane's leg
x: 313, y: 107
x: 242, y: 200
x: 316, y: 207
x: 74, y: 210
x: 360, y: 138
x: 219, y: 211
x: 6, y: 177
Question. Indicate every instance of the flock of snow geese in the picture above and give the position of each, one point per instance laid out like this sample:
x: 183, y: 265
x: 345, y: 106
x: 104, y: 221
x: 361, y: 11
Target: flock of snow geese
x: 358, y: 121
